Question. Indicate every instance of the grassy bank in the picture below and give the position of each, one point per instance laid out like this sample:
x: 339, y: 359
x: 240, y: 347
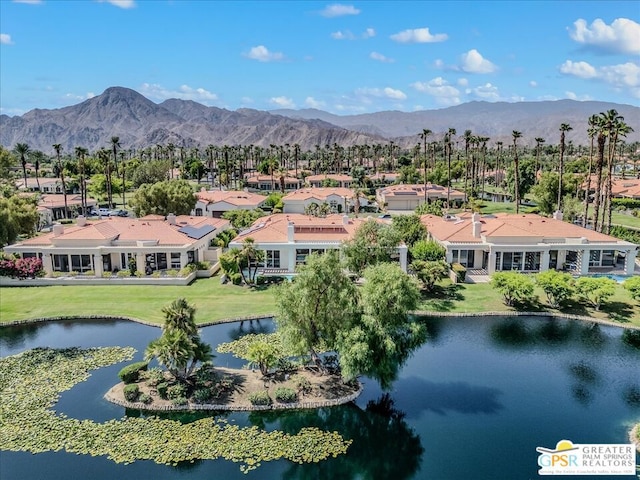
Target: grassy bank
x: 215, y: 301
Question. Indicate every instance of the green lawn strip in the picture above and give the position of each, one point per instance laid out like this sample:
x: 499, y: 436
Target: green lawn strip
x: 625, y: 220
x: 216, y: 302
x: 212, y: 300
x: 482, y: 297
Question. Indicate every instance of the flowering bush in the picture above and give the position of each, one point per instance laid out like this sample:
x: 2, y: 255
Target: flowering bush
x: 21, y: 267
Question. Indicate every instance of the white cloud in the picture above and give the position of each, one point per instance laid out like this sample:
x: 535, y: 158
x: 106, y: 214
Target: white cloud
x: 262, y: 54
x: 440, y: 89
x: 338, y: 10
x: 573, y: 96
x: 369, y: 33
x: 380, y: 57
x: 578, y: 69
x: 313, y: 103
x: 120, y: 3
x: 533, y: 83
x: 622, y: 36
x: 387, y: 92
x: 418, y: 35
x: 5, y: 39
x: 29, y: 2
x: 246, y: 100
x: 79, y: 98
x: 282, y: 102
x: 487, y: 92
x: 184, y: 92
x: 463, y: 82
x: 340, y: 35
x: 474, y: 62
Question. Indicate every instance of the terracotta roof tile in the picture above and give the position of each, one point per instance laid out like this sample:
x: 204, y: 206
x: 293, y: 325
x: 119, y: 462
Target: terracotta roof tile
x: 238, y: 198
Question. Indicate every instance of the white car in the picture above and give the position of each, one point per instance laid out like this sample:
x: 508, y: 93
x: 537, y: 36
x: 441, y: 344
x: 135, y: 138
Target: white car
x: 100, y: 212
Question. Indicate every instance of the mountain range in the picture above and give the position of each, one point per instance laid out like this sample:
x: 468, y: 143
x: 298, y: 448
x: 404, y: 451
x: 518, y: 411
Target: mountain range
x: 141, y: 123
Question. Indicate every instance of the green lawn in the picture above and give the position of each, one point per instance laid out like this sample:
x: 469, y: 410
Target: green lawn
x: 625, y: 220
x: 215, y: 301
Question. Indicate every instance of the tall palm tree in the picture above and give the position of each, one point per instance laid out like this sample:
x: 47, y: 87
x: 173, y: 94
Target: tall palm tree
x: 602, y: 134
x: 81, y: 152
x: 618, y: 129
x: 23, y: 149
x: 180, y: 315
x: 539, y: 142
x: 516, y: 168
x: 591, y: 131
x: 252, y: 256
x: 564, y: 128
x: 115, y: 146
x: 58, y: 149
x: 425, y: 133
x: 450, y: 134
x: 498, y: 164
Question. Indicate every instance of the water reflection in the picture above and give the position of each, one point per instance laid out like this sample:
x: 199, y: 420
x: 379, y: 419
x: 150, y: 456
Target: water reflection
x: 246, y: 327
x: 16, y: 337
x: 384, y: 445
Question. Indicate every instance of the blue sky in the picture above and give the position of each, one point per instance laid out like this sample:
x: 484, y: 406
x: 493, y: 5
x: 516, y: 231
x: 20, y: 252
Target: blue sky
x: 345, y: 58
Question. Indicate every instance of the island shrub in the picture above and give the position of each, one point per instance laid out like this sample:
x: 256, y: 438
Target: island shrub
x: 460, y: 271
x: 131, y: 392
x: 595, y: 290
x: 146, y: 399
x: 162, y: 390
x: 153, y: 376
x: 177, y: 390
x: 302, y: 383
x: 260, y: 398
x: 515, y: 288
x: 180, y: 401
x: 286, y: 395
x: 202, y: 394
x: 131, y: 373
x: 557, y: 286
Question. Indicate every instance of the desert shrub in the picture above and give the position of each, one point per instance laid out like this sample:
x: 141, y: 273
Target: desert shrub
x: 302, y: 383
x: 90, y: 273
x: 176, y: 391
x: 179, y: 401
x: 286, y: 395
x: 107, y: 274
x: 153, y: 376
x: 156, y: 274
x: 144, y: 398
x: 202, y: 394
x: 286, y: 365
x: 131, y: 392
x: 203, y: 265
x: 236, y: 278
x: 131, y: 373
x: 123, y: 274
x: 260, y: 398
x: 172, y: 273
x: 162, y: 389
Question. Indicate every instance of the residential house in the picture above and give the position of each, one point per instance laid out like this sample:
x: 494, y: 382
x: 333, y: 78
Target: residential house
x: 408, y: 197
x: 528, y: 243
x: 213, y: 203
x: 340, y: 199
x: 267, y: 183
x: 51, y: 207
x: 317, y: 181
x: 47, y: 185
x: 287, y: 239
x: 109, y: 244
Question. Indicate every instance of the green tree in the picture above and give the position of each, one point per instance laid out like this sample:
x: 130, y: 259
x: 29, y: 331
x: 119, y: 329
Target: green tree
x: 557, y: 286
x: 526, y: 177
x: 373, y: 242
x: 263, y: 354
x: 150, y: 172
x: 433, y: 208
x: 513, y: 286
x: 633, y: 285
x: 251, y: 257
x: 57, y: 147
x: 6, y: 161
x: 321, y: 302
x: 23, y: 150
x: 242, y: 219
x: 428, y: 250
x: 384, y: 336
x: 595, y: 290
x: 430, y: 271
x: 564, y: 128
x: 18, y: 216
x: 546, y: 190
x: 516, y: 168
x: 163, y: 198
x: 179, y: 348
x: 409, y: 227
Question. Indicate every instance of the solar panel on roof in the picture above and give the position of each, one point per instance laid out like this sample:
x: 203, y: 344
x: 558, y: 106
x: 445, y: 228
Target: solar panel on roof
x: 413, y: 193
x: 197, y: 232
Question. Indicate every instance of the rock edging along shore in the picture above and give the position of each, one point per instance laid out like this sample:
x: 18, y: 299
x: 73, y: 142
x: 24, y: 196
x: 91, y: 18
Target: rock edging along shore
x: 231, y: 407
x: 267, y: 316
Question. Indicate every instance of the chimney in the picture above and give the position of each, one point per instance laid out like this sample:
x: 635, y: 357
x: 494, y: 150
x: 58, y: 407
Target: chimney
x: 58, y: 230
x: 477, y: 228
x: 290, y: 231
x: 345, y: 219
x: 82, y: 220
x: 171, y: 218
x: 557, y: 215
x: 475, y: 217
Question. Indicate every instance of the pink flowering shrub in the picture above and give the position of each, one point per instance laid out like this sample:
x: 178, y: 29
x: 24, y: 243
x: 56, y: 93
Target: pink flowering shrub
x: 21, y: 268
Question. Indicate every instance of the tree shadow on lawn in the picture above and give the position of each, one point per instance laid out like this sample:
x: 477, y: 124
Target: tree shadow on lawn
x: 617, y: 311
x: 443, y: 297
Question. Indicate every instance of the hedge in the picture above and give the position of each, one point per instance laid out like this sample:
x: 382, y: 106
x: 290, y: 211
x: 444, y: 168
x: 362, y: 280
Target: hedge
x: 131, y: 373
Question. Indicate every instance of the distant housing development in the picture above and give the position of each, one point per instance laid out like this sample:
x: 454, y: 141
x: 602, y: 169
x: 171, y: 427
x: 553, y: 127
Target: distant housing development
x: 528, y: 243
x: 340, y: 199
x: 408, y: 197
x: 213, y: 203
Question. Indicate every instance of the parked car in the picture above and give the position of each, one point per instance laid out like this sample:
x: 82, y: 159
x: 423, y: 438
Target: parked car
x: 119, y: 213
x: 100, y: 212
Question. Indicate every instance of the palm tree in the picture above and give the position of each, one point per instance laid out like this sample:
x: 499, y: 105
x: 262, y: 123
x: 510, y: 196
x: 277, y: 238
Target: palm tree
x: 516, y: 168
x: 23, y: 149
x: 81, y: 152
x: 115, y: 146
x: 58, y: 149
x: 448, y: 136
x: 36, y: 157
x: 591, y: 131
x: 539, y: 142
x: 618, y: 129
x: 425, y: 133
x: 179, y: 315
x: 252, y: 256
x: 564, y: 128
x: 602, y: 134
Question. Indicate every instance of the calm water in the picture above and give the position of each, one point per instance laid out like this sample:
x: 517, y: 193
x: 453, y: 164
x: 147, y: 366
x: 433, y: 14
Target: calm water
x: 473, y: 403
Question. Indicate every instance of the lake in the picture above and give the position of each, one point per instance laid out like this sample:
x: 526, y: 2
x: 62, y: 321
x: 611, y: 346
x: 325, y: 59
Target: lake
x: 473, y: 402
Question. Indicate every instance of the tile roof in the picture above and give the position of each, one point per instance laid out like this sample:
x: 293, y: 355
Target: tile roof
x: 239, y: 198
x: 417, y: 190
x: 318, y: 193
x: 333, y: 176
x: 56, y: 200
x: 260, y: 178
